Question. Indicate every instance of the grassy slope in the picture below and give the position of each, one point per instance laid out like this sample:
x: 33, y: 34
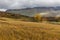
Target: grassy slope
x: 11, y: 29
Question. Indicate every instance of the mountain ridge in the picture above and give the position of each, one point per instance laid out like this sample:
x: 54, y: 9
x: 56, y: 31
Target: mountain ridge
x: 32, y: 11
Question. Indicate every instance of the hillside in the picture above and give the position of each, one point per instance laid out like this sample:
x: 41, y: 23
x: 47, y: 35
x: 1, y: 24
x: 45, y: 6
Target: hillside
x: 12, y: 29
x: 16, y: 16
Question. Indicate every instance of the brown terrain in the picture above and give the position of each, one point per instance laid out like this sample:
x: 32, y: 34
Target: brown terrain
x: 13, y: 29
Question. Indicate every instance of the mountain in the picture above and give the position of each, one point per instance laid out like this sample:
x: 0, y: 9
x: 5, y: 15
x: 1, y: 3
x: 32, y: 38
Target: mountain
x: 30, y: 11
x: 53, y: 11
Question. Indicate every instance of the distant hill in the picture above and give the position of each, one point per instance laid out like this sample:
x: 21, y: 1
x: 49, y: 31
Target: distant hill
x: 16, y: 16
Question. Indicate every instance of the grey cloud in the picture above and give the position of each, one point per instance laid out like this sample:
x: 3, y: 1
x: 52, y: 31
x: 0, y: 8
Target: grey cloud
x: 9, y: 4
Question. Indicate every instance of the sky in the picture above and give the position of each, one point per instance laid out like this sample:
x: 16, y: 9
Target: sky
x: 18, y: 4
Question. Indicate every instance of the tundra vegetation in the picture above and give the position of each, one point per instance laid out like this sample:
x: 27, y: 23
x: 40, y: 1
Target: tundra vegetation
x: 13, y: 29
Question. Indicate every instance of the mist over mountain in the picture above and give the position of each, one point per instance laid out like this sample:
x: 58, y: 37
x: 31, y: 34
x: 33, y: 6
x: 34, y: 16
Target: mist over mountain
x: 32, y: 11
x: 3, y: 10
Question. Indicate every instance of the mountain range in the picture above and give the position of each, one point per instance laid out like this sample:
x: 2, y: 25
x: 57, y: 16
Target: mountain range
x: 32, y: 11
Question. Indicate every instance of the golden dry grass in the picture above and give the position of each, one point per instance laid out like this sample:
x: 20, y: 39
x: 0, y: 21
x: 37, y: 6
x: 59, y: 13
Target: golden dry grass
x: 11, y: 29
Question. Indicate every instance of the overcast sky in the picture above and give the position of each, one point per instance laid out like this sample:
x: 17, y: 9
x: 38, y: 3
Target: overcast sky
x: 18, y: 4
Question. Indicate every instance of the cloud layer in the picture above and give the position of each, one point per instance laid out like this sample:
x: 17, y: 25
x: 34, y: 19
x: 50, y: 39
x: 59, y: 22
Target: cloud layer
x: 13, y: 4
